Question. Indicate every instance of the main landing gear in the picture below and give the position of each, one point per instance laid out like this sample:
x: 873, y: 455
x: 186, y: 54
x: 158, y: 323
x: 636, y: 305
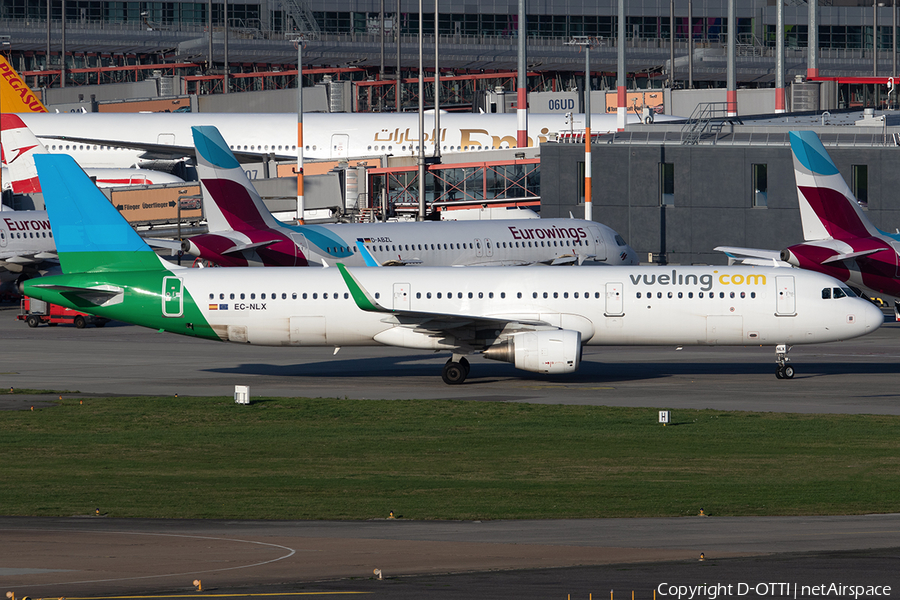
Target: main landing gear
x: 783, y: 370
x: 456, y: 370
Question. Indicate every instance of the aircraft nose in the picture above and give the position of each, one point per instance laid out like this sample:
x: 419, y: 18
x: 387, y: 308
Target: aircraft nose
x: 873, y: 318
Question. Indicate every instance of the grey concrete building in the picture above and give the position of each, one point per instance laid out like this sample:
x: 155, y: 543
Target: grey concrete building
x: 712, y: 194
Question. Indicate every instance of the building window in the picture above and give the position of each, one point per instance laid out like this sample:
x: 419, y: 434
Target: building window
x: 667, y: 184
x: 861, y: 184
x: 760, y: 186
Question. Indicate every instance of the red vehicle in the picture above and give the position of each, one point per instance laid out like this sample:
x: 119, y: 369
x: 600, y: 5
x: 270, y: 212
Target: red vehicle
x: 34, y: 312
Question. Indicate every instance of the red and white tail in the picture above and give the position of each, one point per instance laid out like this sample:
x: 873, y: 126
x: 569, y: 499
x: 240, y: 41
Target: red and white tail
x: 19, y: 148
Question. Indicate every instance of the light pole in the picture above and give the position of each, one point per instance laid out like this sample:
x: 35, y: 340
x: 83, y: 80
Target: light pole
x: 586, y: 42
x: 301, y: 201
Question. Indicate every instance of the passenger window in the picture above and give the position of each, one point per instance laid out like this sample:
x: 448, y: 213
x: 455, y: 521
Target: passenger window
x: 565, y: 294
x: 518, y: 294
x: 418, y: 295
x: 377, y: 295
x: 545, y: 294
x: 670, y: 294
x: 596, y: 294
x: 700, y: 295
x: 284, y: 296
x: 731, y: 295
x: 481, y: 294
x: 576, y: 294
x: 680, y: 295
x: 221, y: 296
x: 721, y: 294
x: 253, y: 296
x: 439, y: 295
x: 262, y: 296
x: 638, y: 295
x: 428, y: 295
x: 690, y: 294
x: 304, y: 295
x: 753, y: 294
x: 325, y: 296
x: 743, y: 294
x: 315, y: 296
x: 294, y: 296
x: 659, y: 294
x: 534, y: 294
x: 459, y: 294
x: 490, y: 295
x: 212, y: 296
x: 470, y: 294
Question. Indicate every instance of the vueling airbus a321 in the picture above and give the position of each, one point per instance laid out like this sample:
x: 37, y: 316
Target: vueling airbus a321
x: 536, y: 318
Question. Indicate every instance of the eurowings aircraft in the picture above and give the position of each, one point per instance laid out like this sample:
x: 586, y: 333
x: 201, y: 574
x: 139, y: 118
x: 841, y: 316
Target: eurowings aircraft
x: 840, y: 241
x: 26, y: 244
x: 538, y: 319
x: 243, y: 232
x: 19, y: 145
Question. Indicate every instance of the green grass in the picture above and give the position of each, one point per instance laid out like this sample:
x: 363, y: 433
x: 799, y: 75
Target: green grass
x: 354, y: 459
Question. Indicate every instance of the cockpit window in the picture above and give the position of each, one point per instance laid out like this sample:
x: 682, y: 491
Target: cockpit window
x: 620, y: 241
x: 838, y: 293
x: 826, y: 294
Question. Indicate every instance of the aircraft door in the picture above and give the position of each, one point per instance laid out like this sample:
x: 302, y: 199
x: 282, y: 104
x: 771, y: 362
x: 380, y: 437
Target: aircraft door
x: 300, y: 241
x: 785, y: 302
x: 401, y: 296
x: 340, y: 145
x: 3, y: 236
x: 614, y: 300
x: 488, y: 248
x: 596, y: 236
x: 172, y: 297
x: 478, y: 249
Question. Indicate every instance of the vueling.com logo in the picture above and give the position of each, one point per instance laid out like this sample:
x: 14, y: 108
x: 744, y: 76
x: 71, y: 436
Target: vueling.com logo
x: 705, y: 281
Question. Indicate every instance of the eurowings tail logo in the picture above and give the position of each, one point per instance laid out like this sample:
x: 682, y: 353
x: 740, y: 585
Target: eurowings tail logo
x: 16, y: 96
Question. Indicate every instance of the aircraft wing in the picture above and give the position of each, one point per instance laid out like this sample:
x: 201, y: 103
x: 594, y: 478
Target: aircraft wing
x: 432, y: 323
x: 165, y: 151
x: 752, y: 256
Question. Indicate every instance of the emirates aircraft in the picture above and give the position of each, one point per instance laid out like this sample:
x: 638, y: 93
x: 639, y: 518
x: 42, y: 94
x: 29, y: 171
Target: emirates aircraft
x: 536, y: 318
x: 129, y: 140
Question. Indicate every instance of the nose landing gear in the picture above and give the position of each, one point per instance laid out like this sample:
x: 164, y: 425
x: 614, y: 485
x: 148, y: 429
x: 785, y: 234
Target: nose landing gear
x: 783, y: 370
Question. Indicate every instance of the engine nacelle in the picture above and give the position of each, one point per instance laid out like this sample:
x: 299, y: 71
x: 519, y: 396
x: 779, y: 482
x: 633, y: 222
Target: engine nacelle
x: 551, y: 351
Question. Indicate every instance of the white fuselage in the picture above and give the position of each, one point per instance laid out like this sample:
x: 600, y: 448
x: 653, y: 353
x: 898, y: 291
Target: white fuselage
x: 325, y: 135
x: 458, y: 243
x: 608, y: 306
x: 25, y: 233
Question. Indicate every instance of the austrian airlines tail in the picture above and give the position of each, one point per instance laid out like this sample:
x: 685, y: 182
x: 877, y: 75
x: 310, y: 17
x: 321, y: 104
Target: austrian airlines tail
x: 20, y: 145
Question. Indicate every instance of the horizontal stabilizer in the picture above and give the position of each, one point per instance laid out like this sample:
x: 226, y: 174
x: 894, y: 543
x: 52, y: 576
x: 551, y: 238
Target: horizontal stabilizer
x: 752, y: 256
x: 244, y: 247
x: 97, y: 296
x: 852, y: 255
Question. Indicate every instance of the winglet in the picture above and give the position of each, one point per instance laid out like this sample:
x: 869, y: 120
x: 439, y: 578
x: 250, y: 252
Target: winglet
x: 363, y: 298
x: 367, y: 256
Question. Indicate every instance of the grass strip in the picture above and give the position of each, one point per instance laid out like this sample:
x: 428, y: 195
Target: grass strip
x: 354, y: 459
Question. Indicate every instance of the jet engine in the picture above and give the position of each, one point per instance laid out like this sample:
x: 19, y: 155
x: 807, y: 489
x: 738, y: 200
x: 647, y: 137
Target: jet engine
x: 550, y: 351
